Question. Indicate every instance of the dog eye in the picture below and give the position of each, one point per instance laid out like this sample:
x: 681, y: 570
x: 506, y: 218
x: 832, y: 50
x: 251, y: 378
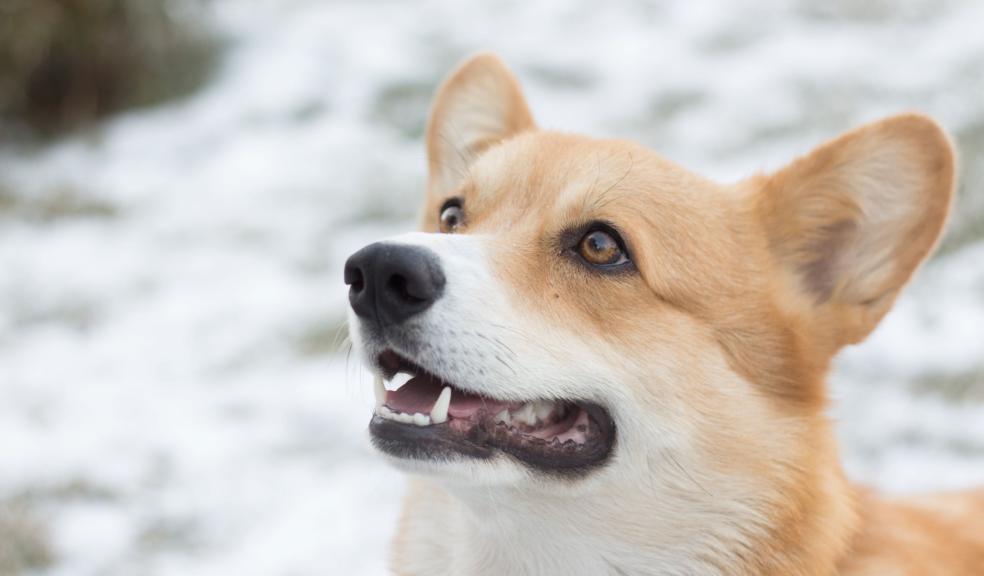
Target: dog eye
x: 452, y: 216
x: 601, y: 248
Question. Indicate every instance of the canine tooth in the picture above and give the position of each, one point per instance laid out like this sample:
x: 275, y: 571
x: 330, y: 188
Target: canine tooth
x: 384, y: 412
x: 543, y: 409
x: 379, y: 390
x: 421, y: 419
x: 439, y: 413
x: 398, y: 380
x: 525, y: 415
x: 504, y: 417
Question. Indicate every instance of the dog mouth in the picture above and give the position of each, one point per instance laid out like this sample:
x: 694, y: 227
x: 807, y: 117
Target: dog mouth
x: 429, y: 418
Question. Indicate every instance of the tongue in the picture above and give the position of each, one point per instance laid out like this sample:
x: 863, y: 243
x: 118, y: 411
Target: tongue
x: 420, y: 393
x: 464, y: 405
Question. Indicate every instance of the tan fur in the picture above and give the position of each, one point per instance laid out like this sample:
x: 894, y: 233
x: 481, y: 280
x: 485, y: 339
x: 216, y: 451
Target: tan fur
x: 743, y: 295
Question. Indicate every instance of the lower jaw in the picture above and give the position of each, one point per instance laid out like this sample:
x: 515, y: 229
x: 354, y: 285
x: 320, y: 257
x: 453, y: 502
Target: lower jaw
x: 485, y: 440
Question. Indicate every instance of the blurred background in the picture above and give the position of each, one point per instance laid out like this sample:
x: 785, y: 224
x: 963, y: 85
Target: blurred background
x: 180, y: 182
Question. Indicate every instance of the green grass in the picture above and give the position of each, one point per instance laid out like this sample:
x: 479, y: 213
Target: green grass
x: 957, y: 387
x: 24, y: 543
x: 404, y: 105
x: 65, y: 64
x: 168, y: 535
x: 56, y: 204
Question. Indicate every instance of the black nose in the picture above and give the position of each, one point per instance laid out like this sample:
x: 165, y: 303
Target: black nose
x: 389, y: 283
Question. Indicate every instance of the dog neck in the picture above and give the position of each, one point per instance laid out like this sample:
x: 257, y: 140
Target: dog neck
x: 635, y: 526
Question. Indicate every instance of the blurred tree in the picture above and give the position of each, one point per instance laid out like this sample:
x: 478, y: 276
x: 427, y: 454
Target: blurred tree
x: 66, y: 63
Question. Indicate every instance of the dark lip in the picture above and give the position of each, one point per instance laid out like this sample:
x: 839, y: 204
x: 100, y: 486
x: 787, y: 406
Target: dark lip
x: 444, y: 443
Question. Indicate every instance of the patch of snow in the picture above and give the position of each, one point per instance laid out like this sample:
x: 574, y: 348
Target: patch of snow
x: 159, y: 354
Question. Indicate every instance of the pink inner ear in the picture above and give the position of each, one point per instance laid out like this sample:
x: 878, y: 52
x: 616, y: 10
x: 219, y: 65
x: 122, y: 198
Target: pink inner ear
x: 479, y: 104
x: 853, y: 220
x: 821, y: 271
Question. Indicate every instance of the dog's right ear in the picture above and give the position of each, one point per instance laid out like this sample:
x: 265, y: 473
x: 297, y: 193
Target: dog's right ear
x: 478, y: 105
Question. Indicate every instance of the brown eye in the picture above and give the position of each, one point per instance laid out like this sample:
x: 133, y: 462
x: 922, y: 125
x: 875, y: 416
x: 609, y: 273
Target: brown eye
x: 452, y: 216
x: 600, y: 248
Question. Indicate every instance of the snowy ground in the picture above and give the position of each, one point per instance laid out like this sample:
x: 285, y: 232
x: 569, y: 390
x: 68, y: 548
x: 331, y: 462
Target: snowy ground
x: 173, y: 397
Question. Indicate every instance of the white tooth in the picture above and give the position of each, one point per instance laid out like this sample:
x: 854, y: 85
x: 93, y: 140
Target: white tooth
x: 405, y: 418
x: 543, y: 409
x: 530, y: 413
x: 390, y: 415
x: 503, y: 417
x: 439, y: 413
x: 525, y: 415
x: 397, y: 381
x: 421, y: 419
x: 379, y: 390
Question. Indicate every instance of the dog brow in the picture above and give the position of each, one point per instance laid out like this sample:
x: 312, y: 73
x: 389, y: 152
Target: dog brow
x: 593, y: 200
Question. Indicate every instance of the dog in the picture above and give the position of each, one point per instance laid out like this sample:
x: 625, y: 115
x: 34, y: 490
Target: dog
x: 593, y: 361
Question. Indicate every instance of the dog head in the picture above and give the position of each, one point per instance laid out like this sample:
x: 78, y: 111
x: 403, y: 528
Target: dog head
x: 578, y: 309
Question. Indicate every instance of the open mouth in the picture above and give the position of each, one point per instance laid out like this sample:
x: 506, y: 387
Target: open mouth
x: 430, y: 418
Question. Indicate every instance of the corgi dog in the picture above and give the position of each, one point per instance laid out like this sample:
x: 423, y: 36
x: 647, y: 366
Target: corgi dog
x: 591, y: 361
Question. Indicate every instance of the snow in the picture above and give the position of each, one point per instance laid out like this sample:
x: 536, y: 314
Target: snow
x: 170, y: 401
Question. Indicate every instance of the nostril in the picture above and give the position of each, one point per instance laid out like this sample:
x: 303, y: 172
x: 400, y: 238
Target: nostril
x: 355, y: 279
x: 399, y: 284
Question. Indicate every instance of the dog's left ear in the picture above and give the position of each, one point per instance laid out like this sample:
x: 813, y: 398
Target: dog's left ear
x: 850, y: 222
x: 478, y: 105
